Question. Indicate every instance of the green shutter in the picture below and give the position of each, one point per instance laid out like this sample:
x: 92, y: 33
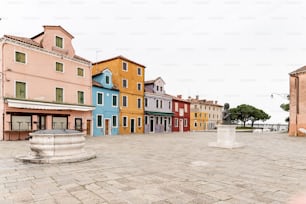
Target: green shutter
x: 100, y: 98
x: 59, y: 67
x: 59, y: 42
x: 59, y: 95
x: 20, y: 57
x: 20, y: 90
x: 80, y: 72
x: 80, y: 97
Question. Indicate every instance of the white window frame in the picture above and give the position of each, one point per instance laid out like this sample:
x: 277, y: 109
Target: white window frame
x: 97, y: 97
x: 176, y: 107
x: 139, y: 84
x: 116, y: 100
x: 176, y: 122
x: 139, y: 68
x: 140, y: 103
x: 84, y: 100
x: 127, y: 101
x: 63, y: 40
x: 185, y: 122
x: 127, y: 121
x: 127, y: 66
x: 63, y: 93
x: 139, y: 119
x: 26, y: 88
x: 63, y: 67
x: 26, y: 57
x: 78, y: 72
x: 127, y: 83
x: 102, y: 120
x: 185, y: 108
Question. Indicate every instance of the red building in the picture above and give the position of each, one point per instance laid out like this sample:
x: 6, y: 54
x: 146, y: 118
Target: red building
x: 181, y: 114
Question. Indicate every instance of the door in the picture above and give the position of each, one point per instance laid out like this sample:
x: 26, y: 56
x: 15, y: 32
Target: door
x: 181, y: 125
x: 132, y: 125
x: 88, y: 127
x: 78, y: 124
x: 165, y: 125
x: 106, y: 126
x: 151, y: 124
x: 41, y: 122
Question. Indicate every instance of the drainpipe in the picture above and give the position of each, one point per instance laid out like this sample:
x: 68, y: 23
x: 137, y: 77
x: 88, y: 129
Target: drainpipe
x: 297, y: 107
x: 2, y: 84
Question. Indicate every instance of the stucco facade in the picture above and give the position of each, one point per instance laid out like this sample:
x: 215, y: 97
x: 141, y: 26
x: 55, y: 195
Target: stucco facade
x: 105, y: 98
x: 44, y: 85
x: 297, y: 107
x: 128, y: 77
x: 158, y: 107
x: 198, y: 115
x: 181, y: 114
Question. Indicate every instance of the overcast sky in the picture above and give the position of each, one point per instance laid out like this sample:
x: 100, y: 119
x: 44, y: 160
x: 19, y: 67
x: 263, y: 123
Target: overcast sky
x: 225, y: 50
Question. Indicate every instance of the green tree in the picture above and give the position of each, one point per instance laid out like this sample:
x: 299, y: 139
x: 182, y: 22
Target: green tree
x: 285, y: 107
x: 245, y: 112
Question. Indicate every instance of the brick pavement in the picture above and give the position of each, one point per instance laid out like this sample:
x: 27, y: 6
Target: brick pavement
x: 162, y: 169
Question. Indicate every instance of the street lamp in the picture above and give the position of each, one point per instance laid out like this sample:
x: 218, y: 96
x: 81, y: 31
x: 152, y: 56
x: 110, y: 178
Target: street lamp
x: 282, y: 95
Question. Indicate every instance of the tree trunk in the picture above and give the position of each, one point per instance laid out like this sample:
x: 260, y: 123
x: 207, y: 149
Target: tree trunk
x: 253, y: 123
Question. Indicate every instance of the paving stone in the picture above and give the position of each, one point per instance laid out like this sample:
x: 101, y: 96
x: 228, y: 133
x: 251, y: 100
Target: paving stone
x: 162, y: 168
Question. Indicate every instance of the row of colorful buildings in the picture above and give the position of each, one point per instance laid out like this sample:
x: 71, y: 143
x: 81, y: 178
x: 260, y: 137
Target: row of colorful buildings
x: 45, y: 85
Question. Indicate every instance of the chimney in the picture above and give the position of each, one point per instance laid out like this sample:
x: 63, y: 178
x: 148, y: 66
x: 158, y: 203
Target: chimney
x: 179, y: 96
x: 216, y: 102
x: 197, y: 97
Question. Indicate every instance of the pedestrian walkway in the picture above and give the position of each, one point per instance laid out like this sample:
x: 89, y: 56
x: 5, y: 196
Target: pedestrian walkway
x: 162, y: 169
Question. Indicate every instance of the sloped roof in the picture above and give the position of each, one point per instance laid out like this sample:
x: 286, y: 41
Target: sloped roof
x: 299, y: 71
x: 97, y: 84
x: 177, y: 98
x: 24, y: 40
x: 119, y: 57
x: 153, y: 81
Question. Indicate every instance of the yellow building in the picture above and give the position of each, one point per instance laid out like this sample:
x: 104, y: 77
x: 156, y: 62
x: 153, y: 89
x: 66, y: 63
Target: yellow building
x: 128, y: 77
x: 204, y: 114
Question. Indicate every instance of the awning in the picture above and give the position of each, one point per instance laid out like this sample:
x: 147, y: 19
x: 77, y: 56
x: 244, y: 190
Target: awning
x: 46, y: 106
x: 158, y: 113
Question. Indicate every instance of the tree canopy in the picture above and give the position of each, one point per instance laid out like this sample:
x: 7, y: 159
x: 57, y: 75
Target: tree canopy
x: 245, y: 112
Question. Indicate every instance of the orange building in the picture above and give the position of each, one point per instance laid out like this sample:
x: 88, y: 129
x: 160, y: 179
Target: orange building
x: 297, y: 102
x: 128, y: 77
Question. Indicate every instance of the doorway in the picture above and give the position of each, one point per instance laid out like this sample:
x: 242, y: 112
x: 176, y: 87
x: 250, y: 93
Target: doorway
x: 78, y: 124
x: 132, y: 125
x: 165, y: 125
x: 151, y: 124
x: 106, y: 126
x: 88, y: 127
x: 181, y: 125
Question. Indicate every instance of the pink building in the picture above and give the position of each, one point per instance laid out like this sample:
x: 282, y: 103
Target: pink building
x: 44, y: 85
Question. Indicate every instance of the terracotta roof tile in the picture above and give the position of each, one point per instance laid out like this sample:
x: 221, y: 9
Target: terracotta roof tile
x: 119, y: 57
x: 24, y: 40
x: 298, y: 71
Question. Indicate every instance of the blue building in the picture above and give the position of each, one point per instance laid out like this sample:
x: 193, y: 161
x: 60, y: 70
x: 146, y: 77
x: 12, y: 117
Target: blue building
x: 105, y: 98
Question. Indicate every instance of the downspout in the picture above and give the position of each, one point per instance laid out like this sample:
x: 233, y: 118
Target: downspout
x: 297, y: 86
x: 2, y: 87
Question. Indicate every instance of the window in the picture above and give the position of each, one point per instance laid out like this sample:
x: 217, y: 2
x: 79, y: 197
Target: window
x: 161, y: 104
x: 100, y: 98
x: 99, y: 121
x: 157, y: 88
x: 139, y: 86
x: 59, y: 67
x: 114, y: 119
x: 124, y: 83
x: 124, y: 66
x: 20, y: 57
x: 80, y: 97
x: 60, y: 122
x: 139, y: 71
x: 20, y: 90
x: 185, y: 108
x: 169, y: 105
x: 115, y: 101
x: 195, y: 115
x: 124, y: 101
x: 107, y: 79
x: 157, y: 103
x: 185, y: 122
x: 161, y: 89
x: 139, y: 121
x: 80, y: 72
x: 195, y: 124
x: 161, y: 120
x: 156, y: 119
x: 176, y: 106
x: 21, y: 122
x: 59, y: 42
x: 139, y: 103
x: 124, y: 121
x: 78, y: 124
x: 146, y: 102
x: 59, y: 95
x: 175, y: 122
x: 146, y: 120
